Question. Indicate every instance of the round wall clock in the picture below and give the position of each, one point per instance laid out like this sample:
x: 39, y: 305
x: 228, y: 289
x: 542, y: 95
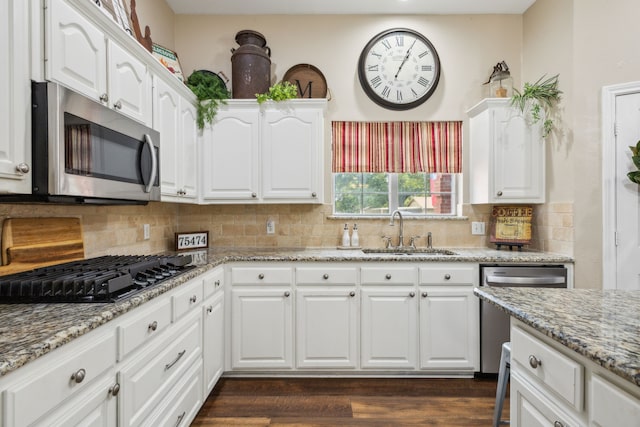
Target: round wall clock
x: 399, y: 69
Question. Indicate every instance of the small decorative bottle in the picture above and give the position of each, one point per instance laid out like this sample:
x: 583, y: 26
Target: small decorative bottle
x: 346, y: 241
x: 355, y: 240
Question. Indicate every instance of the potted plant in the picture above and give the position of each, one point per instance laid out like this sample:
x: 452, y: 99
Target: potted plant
x: 538, y: 97
x: 634, y: 176
x: 278, y: 92
x: 211, y: 91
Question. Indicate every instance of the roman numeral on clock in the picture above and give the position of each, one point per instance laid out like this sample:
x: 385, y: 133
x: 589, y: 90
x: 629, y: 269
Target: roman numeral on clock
x: 386, y: 91
x: 375, y: 82
x: 427, y: 67
x: 424, y: 82
x: 386, y: 43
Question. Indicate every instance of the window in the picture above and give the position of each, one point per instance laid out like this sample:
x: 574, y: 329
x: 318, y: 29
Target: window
x: 379, y: 167
x: 417, y: 194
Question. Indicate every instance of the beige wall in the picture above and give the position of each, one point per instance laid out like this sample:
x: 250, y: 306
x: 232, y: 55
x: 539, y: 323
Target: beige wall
x: 160, y: 19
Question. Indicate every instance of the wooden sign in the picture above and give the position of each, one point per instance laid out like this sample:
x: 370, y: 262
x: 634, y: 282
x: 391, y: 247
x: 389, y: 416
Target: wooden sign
x: 511, y: 225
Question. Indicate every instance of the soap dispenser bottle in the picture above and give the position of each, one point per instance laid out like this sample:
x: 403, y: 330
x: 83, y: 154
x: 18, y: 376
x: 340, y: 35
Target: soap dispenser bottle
x: 355, y: 240
x: 346, y: 241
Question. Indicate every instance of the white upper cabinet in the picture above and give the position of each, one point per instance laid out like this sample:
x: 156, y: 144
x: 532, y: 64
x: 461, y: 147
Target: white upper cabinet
x: 507, y: 155
x: 83, y: 58
x: 270, y: 153
x: 15, y: 106
x: 175, y: 118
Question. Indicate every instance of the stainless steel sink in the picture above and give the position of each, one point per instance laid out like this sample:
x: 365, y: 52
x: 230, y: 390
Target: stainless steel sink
x: 408, y: 251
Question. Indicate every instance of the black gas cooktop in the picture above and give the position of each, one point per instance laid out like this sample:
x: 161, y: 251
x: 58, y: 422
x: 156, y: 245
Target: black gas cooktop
x: 103, y: 279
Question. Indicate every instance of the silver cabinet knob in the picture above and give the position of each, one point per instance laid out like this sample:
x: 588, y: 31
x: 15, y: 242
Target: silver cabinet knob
x: 447, y: 276
x: 499, y: 193
x: 118, y: 105
x: 78, y: 376
x: 388, y: 277
x: 153, y: 325
x: 217, y: 283
x: 314, y: 194
x: 534, y: 362
x: 193, y: 299
x: 352, y: 293
x: 325, y: 276
x: 287, y: 294
x: 558, y: 424
x: 104, y: 97
x: 210, y: 309
x: 424, y: 295
x: 412, y: 294
x: 254, y: 195
x: 23, y: 168
x: 260, y: 276
x: 114, y: 389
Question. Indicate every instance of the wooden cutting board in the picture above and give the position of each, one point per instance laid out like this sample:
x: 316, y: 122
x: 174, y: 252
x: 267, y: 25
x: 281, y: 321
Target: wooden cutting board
x: 29, y: 243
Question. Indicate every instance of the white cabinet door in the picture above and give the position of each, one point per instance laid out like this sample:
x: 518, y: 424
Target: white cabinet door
x: 389, y: 327
x: 166, y: 113
x: 15, y: 106
x: 175, y: 118
x: 449, y: 328
x: 327, y: 327
x: 213, y: 340
x: 262, y: 328
x: 292, y: 154
x: 507, y: 155
x: 129, y: 84
x: 230, y: 155
x: 188, y: 152
x: 76, y: 54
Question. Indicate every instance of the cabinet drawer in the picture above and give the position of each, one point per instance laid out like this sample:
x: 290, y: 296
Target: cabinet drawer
x: 147, y: 380
x: 29, y: 400
x: 559, y: 373
x: 388, y: 275
x: 213, y: 281
x: 261, y: 275
x: 187, y: 298
x: 445, y: 275
x: 329, y: 276
x: 143, y: 326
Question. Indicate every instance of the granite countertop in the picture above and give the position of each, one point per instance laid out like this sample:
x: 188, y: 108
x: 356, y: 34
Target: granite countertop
x: 28, y: 331
x: 601, y: 325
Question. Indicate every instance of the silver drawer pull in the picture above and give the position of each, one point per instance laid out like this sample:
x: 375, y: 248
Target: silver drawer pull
x: 114, y: 389
x: 287, y: 294
x: 325, y: 276
x: 153, y: 326
x: 447, y: 276
x: 193, y: 299
x: 388, y: 277
x: 412, y: 294
x: 180, y: 418
x: 352, y: 293
x: 170, y: 365
x: 424, y: 295
x: 534, y: 362
x: 260, y: 276
x: 78, y: 376
x: 558, y: 424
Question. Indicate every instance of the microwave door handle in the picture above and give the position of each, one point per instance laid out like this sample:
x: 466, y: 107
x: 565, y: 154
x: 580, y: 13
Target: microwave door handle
x: 154, y: 163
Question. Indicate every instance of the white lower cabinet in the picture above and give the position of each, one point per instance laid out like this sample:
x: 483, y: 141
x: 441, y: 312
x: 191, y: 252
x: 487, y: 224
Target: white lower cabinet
x: 326, y: 322
x: 389, y: 327
x: 554, y: 386
x: 213, y: 340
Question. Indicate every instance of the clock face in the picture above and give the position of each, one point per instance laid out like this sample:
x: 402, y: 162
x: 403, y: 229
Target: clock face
x: 399, y: 69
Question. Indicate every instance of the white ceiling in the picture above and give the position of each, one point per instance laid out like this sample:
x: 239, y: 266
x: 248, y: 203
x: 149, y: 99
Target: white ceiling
x: 312, y: 7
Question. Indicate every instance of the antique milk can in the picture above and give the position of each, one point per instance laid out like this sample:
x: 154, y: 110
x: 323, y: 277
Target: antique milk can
x: 250, y: 65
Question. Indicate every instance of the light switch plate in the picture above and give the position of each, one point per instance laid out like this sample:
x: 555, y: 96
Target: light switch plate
x: 271, y: 227
x: 146, y: 231
x: 477, y: 228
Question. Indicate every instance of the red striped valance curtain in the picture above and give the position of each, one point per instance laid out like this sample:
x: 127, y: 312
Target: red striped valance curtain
x: 402, y: 147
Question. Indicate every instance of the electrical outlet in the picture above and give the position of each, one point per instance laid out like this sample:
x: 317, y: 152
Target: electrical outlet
x: 477, y: 228
x: 146, y: 231
x: 271, y: 227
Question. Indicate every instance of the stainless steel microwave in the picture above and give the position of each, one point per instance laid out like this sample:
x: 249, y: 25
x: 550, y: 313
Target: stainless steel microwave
x: 85, y: 152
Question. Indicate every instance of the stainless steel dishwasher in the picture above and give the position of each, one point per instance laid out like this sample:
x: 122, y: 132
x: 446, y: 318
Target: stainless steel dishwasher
x: 494, y: 323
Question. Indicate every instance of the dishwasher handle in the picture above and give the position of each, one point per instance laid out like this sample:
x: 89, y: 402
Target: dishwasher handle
x: 506, y: 281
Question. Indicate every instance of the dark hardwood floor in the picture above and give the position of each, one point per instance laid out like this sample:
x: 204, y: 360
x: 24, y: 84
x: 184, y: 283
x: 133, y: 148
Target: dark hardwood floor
x: 350, y: 401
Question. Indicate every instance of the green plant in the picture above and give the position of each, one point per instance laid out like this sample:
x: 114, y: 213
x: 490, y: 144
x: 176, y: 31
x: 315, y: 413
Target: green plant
x: 210, y: 91
x: 538, y: 97
x: 634, y: 176
x: 278, y: 92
